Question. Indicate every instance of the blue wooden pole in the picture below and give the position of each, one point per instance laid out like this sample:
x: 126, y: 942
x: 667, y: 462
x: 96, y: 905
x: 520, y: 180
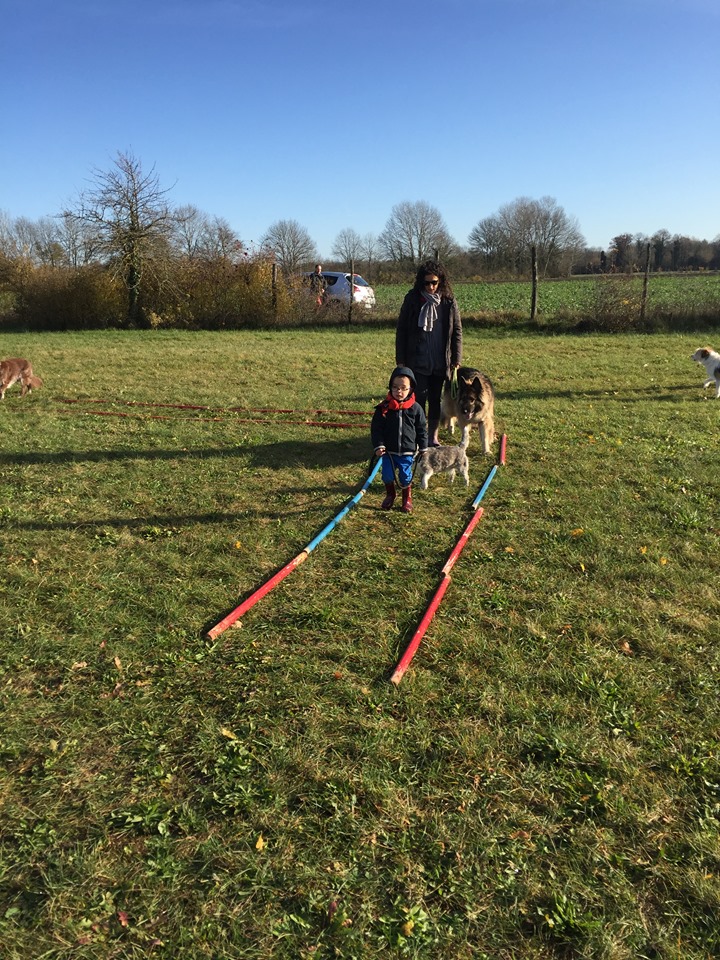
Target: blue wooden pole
x: 346, y: 509
x: 270, y: 584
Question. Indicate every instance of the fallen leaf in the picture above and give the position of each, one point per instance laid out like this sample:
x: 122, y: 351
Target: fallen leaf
x: 227, y: 733
x: 118, y: 663
x: 79, y: 665
x: 123, y: 918
x: 260, y: 843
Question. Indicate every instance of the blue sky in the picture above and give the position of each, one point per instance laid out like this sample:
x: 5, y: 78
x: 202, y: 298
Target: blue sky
x: 331, y: 113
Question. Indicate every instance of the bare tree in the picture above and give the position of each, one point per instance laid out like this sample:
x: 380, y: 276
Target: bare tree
x: 27, y: 240
x: 128, y: 211
x: 413, y: 232
x: 370, y: 248
x: 7, y: 239
x: 36, y: 241
x: 291, y: 245
x: 188, y: 229
x: 48, y: 242
x: 505, y: 240
x: 347, y: 246
x: 79, y: 241
x: 198, y: 236
x: 219, y: 241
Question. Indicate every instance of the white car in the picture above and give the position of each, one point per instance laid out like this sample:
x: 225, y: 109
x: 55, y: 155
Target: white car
x: 338, y: 288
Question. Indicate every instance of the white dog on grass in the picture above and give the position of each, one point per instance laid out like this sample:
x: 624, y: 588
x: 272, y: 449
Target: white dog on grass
x: 711, y: 361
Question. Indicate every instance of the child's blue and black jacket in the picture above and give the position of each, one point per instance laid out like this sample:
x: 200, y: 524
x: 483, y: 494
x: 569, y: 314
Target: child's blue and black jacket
x: 400, y: 428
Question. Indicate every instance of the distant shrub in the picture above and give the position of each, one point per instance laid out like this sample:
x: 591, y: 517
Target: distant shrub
x: 53, y: 298
x: 616, y: 304
x: 224, y: 295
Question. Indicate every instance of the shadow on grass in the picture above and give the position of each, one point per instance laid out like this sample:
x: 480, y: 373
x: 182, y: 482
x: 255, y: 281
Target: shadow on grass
x: 173, y: 520
x: 272, y: 455
x: 618, y: 395
x: 312, y: 454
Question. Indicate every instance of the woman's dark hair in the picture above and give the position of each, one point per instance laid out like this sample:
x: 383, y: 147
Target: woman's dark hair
x: 436, y: 268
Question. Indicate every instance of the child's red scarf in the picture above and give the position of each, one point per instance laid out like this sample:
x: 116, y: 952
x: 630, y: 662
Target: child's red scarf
x: 390, y: 403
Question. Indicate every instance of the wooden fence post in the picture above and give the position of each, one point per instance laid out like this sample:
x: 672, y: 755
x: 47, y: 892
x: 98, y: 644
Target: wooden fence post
x: 643, y: 300
x: 534, y: 296
x: 352, y: 292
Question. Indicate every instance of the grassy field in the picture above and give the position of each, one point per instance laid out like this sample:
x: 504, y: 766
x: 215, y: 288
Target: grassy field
x: 545, y: 782
x: 671, y: 299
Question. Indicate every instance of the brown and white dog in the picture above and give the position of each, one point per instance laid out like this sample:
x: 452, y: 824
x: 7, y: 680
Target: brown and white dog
x: 15, y: 370
x: 711, y: 361
x: 474, y: 402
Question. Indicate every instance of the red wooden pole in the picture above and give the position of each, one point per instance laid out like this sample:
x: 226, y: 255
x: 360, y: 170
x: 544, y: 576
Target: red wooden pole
x: 235, y: 614
x: 420, y: 632
x: 460, y: 545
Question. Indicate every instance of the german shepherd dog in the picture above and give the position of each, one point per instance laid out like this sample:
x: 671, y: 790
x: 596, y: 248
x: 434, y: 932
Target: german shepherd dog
x: 474, y: 402
x: 15, y: 370
x: 450, y: 460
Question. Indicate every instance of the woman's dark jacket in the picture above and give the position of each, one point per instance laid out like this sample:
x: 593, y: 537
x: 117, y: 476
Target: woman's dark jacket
x: 408, y: 334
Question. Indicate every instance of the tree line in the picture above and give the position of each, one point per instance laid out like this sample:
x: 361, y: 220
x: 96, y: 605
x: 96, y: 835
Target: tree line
x: 123, y: 254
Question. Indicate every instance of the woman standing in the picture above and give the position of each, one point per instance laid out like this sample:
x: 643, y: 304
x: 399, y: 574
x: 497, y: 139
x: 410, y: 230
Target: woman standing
x: 428, y: 339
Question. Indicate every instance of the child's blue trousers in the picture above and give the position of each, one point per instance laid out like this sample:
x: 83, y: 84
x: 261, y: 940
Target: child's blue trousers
x: 403, y: 463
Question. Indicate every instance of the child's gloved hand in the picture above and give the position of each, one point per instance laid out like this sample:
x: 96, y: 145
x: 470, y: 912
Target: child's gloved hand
x: 379, y: 451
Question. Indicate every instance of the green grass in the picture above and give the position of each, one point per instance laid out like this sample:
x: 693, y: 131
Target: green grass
x: 688, y: 298
x: 544, y: 783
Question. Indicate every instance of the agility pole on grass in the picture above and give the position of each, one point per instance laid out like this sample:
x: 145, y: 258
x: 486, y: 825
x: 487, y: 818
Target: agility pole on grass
x: 411, y: 649
x: 258, y: 594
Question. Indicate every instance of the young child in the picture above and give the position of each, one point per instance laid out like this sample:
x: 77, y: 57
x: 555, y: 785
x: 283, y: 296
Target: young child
x: 398, y: 430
